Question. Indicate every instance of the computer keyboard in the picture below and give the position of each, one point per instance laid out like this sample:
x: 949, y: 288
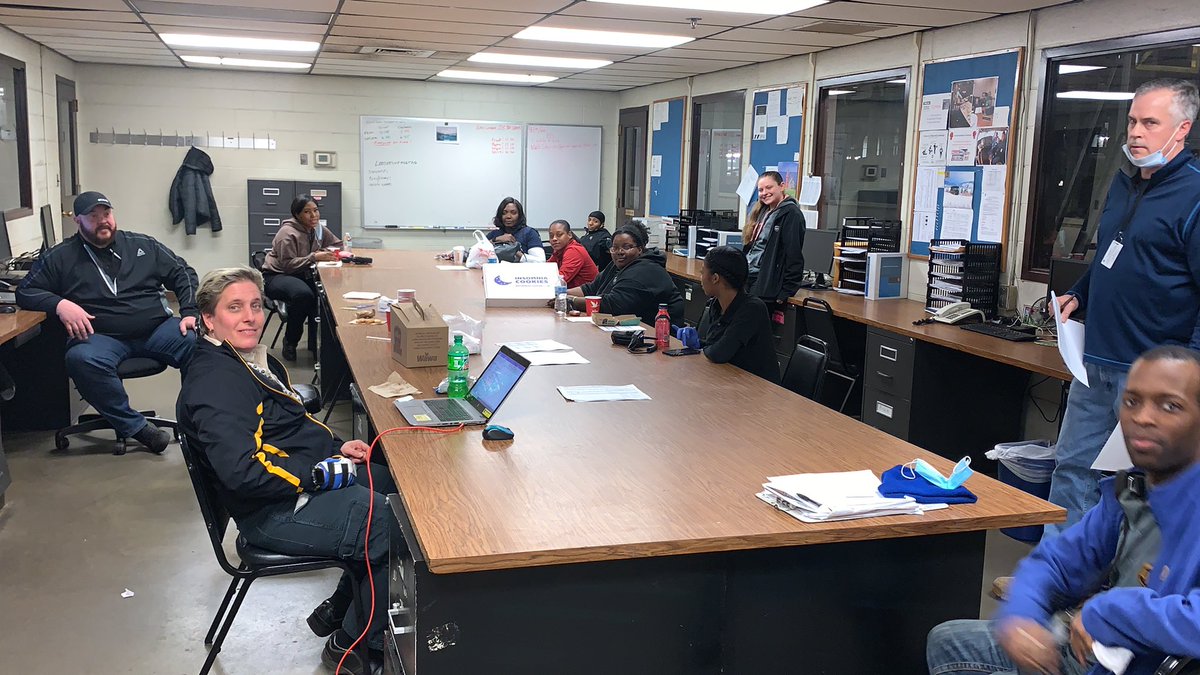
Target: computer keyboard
x: 449, y: 409
x: 1001, y: 332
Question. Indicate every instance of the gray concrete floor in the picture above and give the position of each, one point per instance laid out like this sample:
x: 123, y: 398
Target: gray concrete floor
x: 81, y: 526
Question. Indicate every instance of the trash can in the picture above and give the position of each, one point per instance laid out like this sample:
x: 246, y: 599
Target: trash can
x: 1027, y: 466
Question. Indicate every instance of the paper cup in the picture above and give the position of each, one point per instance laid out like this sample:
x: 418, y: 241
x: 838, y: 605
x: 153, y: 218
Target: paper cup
x: 593, y: 304
x: 459, y: 254
x: 405, y: 294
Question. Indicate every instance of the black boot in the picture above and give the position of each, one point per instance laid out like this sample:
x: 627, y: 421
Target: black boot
x: 328, y: 615
x: 336, y: 647
x: 289, y: 352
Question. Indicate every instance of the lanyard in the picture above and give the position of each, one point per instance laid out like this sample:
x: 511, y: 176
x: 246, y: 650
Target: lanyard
x: 108, y: 281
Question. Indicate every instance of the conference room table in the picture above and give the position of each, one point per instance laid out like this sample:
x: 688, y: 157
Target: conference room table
x: 625, y: 537
x: 14, y: 327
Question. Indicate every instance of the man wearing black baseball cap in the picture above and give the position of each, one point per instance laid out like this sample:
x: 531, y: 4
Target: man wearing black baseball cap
x: 107, y: 288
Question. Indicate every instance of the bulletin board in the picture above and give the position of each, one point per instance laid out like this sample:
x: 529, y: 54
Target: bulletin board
x: 965, y: 150
x: 776, y: 126
x: 666, y: 156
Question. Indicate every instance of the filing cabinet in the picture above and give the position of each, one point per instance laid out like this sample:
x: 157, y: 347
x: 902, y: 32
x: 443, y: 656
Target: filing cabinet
x: 268, y: 204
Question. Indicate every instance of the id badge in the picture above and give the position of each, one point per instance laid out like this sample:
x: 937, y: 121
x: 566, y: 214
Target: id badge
x: 1110, y: 256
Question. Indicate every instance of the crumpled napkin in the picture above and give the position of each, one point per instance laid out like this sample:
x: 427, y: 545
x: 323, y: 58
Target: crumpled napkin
x: 395, y: 386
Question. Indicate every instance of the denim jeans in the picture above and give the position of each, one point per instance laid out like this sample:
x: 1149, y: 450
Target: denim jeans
x: 1091, y: 416
x: 92, y: 365
x: 968, y: 647
x: 333, y: 524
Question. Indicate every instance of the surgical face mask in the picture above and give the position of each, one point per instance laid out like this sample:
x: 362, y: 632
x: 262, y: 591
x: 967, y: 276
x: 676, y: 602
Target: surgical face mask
x: 962, y: 471
x: 1153, y: 160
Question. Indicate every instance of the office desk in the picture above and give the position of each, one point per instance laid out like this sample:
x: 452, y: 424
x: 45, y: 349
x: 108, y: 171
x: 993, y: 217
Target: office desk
x: 625, y: 536
x: 945, y: 389
x: 13, y: 328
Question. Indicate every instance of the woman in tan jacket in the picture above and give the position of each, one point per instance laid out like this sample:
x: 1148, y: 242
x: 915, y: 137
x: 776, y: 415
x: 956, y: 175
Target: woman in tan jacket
x: 287, y: 271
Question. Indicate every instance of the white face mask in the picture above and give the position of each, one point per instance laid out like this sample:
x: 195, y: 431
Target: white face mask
x: 1155, y: 159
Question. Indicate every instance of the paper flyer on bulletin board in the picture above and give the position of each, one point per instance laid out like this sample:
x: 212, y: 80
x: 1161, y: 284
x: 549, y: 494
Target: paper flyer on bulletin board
x: 963, y: 183
x: 777, y: 123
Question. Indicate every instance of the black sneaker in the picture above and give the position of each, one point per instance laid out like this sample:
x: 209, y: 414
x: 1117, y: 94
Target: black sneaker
x: 153, y: 438
x: 289, y: 352
x: 328, y: 616
x: 336, y: 647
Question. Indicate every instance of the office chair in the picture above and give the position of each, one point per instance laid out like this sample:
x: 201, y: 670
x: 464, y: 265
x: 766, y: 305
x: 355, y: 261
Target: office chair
x: 272, y: 305
x: 128, y: 369
x: 818, y: 322
x: 255, y: 562
x: 1175, y: 665
x: 806, y: 369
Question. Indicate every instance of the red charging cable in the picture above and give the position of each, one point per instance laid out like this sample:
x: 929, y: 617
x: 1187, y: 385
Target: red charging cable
x: 367, y: 535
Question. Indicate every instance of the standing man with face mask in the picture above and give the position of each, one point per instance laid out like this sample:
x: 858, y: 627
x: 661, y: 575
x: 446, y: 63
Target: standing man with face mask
x: 1143, y: 287
x: 107, y: 288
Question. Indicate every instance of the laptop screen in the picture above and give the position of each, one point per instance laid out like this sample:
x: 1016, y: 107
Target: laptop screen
x: 497, y: 380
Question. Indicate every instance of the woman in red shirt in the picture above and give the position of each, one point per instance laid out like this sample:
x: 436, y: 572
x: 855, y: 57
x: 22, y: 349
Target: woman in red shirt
x: 574, y: 263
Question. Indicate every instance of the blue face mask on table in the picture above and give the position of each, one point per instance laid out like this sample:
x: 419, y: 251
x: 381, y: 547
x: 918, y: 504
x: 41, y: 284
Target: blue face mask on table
x: 962, y: 471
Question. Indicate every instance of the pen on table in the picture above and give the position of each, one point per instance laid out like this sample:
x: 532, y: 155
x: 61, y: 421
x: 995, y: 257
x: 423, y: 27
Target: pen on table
x: 379, y: 337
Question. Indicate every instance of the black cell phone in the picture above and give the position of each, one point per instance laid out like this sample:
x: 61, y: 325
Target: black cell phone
x: 686, y: 351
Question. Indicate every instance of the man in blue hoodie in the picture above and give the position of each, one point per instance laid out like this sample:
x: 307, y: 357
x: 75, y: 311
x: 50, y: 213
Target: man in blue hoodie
x: 1126, y: 578
x: 1143, y: 287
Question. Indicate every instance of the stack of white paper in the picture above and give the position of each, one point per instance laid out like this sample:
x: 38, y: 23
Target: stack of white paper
x: 529, y: 346
x: 603, y: 392
x: 825, y: 497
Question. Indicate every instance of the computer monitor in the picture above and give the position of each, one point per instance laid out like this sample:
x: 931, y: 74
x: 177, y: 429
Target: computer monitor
x: 49, y: 239
x: 1064, y: 272
x: 818, y: 254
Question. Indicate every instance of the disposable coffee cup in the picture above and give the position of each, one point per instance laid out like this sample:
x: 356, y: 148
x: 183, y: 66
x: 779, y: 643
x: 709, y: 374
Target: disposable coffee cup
x: 405, y: 294
x: 593, y: 304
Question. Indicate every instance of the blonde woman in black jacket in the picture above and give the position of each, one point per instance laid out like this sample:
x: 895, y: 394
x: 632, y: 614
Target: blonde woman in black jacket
x: 774, y: 245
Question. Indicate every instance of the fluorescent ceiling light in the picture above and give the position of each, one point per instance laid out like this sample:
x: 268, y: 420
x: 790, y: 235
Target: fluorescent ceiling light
x: 226, y: 42
x: 602, y: 37
x: 1067, y: 69
x: 544, y: 61
x: 901, y: 80
x: 243, y: 63
x: 774, y: 8
x: 839, y: 92
x: 1097, y: 95
x: 522, y: 78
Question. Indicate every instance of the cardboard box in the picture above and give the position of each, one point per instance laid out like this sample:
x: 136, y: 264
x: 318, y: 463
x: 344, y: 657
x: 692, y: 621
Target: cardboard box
x: 519, y: 284
x: 420, y: 339
x: 618, y: 320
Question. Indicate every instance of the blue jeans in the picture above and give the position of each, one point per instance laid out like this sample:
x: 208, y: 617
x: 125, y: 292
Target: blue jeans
x: 968, y: 647
x: 92, y: 365
x: 1091, y: 416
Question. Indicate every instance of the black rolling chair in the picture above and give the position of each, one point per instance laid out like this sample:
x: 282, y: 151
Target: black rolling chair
x: 129, y: 369
x: 818, y: 322
x: 272, y: 306
x: 806, y: 369
x: 1174, y: 665
x: 255, y: 562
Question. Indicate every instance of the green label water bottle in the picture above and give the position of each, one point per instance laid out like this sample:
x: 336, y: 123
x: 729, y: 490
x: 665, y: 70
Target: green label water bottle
x: 457, y: 364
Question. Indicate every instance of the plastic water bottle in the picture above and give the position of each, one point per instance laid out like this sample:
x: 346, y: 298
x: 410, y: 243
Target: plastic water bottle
x: 348, y: 246
x: 457, y: 365
x: 662, y: 329
x: 560, y: 298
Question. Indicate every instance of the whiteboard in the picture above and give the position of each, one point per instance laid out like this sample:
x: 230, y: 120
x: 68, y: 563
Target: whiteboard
x: 562, y: 174
x: 433, y: 173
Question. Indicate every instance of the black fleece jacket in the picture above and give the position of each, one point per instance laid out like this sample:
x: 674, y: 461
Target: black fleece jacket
x: 254, y: 436
x: 638, y: 289
x: 781, y: 267
x: 191, y: 198
x: 139, y: 304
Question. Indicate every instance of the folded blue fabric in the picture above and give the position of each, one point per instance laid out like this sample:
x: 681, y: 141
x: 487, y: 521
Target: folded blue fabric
x: 894, y: 484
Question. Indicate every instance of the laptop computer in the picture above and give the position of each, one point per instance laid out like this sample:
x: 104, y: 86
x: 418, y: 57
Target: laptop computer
x: 489, y: 391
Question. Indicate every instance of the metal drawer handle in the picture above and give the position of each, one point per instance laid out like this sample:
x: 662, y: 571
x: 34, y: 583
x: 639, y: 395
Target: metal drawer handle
x: 270, y: 192
x: 883, y: 353
x: 883, y: 409
x: 267, y: 222
x: 883, y: 374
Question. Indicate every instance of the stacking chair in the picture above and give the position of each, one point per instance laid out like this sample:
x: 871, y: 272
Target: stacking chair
x: 806, y: 369
x: 255, y: 562
x: 131, y: 368
x: 818, y: 321
x: 273, y: 307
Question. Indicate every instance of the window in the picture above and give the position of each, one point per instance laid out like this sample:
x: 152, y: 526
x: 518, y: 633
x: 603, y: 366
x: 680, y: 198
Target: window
x: 860, y: 146
x: 1080, y: 134
x: 16, y: 192
x: 716, y: 164
x: 631, y: 164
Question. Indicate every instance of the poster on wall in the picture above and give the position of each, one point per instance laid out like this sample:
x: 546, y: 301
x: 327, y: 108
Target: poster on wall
x: 963, y: 180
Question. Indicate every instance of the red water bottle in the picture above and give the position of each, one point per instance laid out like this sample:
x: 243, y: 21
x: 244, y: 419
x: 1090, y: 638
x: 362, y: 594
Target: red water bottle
x: 662, y: 329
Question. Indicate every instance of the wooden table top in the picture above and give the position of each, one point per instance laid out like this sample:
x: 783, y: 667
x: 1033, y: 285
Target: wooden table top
x: 12, y: 325
x: 896, y: 316
x: 603, y: 481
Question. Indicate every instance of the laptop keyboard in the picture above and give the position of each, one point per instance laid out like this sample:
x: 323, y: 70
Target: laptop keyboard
x: 450, y: 409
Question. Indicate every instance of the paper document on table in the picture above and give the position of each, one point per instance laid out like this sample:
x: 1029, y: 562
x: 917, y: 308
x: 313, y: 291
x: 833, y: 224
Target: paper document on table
x: 579, y: 319
x: 330, y: 263
x: 537, y: 346
x: 1070, y: 343
x: 619, y: 329
x: 554, y: 358
x: 360, y: 295
x: 603, y: 392
x: 1114, y: 456
x: 451, y: 268
x: 824, y: 497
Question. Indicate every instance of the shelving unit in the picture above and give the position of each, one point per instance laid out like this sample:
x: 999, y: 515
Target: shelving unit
x: 963, y: 271
x: 860, y: 236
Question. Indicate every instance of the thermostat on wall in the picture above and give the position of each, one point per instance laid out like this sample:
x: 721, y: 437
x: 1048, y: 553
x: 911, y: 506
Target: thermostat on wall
x: 324, y: 159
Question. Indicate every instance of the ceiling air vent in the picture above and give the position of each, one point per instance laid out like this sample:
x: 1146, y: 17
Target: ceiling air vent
x: 397, y: 51
x: 840, y: 27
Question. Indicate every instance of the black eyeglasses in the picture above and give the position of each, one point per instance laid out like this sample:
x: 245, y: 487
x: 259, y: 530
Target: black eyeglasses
x: 618, y: 249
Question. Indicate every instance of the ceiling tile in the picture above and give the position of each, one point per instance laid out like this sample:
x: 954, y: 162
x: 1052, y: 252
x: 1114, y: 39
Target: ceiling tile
x: 209, y: 26
x: 299, y: 5
x: 913, y: 16
x: 603, y: 10
x: 658, y: 27
x: 790, y: 37
x: 436, y: 13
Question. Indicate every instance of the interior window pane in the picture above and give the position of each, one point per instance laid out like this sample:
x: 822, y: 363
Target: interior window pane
x: 10, y: 145
x: 1083, y: 131
x: 719, y: 160
x: 861, y: 129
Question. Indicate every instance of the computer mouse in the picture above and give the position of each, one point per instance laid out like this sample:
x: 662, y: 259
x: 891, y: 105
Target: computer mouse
x: 495, y: 432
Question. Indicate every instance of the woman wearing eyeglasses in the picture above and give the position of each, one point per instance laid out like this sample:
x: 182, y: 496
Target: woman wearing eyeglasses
x: 636, y: 282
